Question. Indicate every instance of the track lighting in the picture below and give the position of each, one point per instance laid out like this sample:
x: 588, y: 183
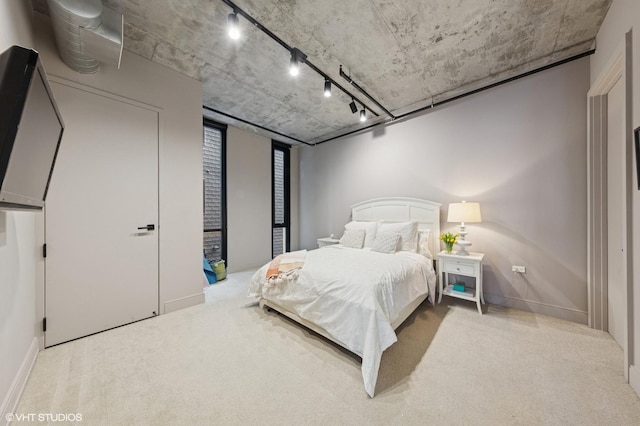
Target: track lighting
x: 327, y: 88
x: 353, y: 106
x: 294, y: 66
x: 296, y: 58
x: 233, y: 26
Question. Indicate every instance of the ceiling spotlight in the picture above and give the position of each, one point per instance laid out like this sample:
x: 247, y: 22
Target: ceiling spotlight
x: 353, y: 106
x: 363, y: 115
x: 234, y: 28
x: 296, y: 58
x: 294, y: 66
x: 327, y: 88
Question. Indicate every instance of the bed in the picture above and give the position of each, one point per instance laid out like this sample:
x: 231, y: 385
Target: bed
x: 357, y: 297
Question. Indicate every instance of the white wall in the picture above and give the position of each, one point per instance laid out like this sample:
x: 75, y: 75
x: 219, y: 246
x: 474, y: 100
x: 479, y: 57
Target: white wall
x: 19, y: 257
x: 519, y: 149
x: 180, y: 100
x: 248, y: 199
x: 624, y: 16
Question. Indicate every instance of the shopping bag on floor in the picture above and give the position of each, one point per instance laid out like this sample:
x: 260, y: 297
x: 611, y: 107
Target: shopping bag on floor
x: 220, y: 270
x: 208, y: 271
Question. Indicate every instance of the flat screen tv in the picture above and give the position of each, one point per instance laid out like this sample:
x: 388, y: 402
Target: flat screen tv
x: 30, y: 130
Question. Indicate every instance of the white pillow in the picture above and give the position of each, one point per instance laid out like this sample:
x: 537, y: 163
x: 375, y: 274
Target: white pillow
x: 353, y: 238
x: 408, y: 233
x: 370, y: 229
x: 423, y: 243
x: 386, y: 242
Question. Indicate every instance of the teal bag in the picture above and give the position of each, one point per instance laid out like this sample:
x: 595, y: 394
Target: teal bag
x: 208, y: 271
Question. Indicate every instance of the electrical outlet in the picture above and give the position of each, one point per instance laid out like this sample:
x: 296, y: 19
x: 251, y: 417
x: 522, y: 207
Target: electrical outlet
x: 519, y: 269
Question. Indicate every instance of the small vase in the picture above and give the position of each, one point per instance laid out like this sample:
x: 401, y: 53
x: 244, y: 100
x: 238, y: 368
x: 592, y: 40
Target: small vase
x: 448, y: 247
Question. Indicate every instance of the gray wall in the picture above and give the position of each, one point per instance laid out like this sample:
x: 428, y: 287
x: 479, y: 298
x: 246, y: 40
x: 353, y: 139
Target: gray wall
x: 624, y: 16
x: 180, y: 157
x: 518, y: 149
x: 248, y: 199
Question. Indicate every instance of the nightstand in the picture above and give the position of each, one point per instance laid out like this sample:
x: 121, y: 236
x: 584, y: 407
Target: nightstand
x: 468, y: 266
x: 328, y: 241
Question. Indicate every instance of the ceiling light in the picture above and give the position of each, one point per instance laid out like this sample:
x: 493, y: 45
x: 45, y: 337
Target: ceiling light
x: 234, y: 28
x: 353, y: 106
x: 327, y: 88
x: 363, y: 115
x: 294, y: 66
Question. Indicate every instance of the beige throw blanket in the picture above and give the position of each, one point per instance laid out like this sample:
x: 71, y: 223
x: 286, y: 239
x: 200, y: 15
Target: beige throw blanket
x: 285, y: 266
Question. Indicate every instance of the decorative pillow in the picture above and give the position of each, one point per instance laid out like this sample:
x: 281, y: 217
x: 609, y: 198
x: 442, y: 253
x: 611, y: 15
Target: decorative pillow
x: 370, y: 229
x: 408, y: 234
x: 386, y: 242
x: 423, y: 243
x: 353, y: 238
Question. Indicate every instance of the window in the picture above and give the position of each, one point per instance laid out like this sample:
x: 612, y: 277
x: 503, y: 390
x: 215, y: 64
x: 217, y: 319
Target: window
x: 214, y: 190
x: 280, y: 198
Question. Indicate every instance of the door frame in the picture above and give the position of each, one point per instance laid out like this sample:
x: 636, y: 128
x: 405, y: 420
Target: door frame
x: 41, y: 218
x: 619, y: 67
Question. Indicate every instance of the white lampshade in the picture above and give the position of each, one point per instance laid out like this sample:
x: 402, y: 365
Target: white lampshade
x: 464, y: 212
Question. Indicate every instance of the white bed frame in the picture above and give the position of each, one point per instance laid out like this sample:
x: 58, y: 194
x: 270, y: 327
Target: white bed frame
x: 392, y: 209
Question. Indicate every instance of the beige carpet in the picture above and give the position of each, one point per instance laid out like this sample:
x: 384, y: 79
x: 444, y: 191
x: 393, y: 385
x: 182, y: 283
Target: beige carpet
x: 229, y: 362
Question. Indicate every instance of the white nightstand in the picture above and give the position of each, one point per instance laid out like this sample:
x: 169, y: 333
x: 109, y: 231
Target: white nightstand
x: 328, y: 241
x: 468, y: 266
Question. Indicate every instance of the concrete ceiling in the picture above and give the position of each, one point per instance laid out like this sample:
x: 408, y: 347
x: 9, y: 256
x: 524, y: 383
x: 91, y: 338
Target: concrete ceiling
x: 407, y: 54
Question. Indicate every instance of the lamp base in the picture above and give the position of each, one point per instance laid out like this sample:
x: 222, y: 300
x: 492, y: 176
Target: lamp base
x: 462, y: 245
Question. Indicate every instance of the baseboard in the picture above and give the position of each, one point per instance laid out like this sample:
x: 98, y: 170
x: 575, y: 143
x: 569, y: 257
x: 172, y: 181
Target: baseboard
x: 183, y: 302
x: 634, y: 379
x: 555, y: 311
x: 12, y: 398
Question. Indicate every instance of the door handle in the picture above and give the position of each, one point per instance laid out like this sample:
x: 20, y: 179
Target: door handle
x: 147, y: 227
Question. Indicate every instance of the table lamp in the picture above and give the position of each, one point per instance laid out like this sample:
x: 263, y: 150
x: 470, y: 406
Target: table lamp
x: 464, y: 213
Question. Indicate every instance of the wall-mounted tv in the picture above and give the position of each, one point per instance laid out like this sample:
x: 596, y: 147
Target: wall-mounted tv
x: 30, y: 130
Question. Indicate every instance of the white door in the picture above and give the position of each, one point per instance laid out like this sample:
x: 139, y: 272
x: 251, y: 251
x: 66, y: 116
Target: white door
x: 101, y: 269
x: 617, y: 311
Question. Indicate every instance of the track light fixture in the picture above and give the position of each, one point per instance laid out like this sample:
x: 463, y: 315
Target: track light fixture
x: 364, y: 92
x: 294, y: 67
x: 353, y: 106
x: 327, y: 88
x: 233, y: 26
x: 294, y: 64
x: 298, y: 57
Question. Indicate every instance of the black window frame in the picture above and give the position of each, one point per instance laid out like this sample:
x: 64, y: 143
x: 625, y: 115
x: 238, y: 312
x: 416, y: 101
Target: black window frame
x: 206, y: 122
x: 286, y: 150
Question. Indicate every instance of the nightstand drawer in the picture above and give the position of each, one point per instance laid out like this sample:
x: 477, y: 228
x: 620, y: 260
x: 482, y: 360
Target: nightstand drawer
x: 458, y: 267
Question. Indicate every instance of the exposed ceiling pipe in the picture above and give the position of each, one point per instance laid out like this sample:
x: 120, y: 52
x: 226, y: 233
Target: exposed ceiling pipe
x: 86, y: 33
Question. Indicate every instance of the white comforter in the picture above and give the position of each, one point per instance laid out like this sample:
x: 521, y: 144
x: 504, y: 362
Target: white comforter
x: 355, y: 295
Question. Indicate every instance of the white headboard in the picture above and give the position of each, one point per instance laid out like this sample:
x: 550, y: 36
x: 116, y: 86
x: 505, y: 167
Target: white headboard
x: 402, y: 209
